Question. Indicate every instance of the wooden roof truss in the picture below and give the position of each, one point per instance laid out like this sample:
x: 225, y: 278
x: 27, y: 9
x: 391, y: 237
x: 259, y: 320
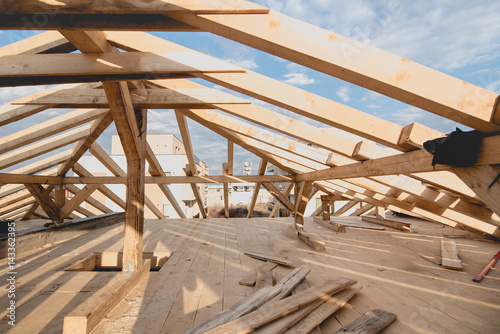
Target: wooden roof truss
x: 122, y: 71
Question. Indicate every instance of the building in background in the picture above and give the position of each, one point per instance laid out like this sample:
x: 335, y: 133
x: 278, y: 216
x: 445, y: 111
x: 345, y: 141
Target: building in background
x: 172, y: 157
x: 239, y: 194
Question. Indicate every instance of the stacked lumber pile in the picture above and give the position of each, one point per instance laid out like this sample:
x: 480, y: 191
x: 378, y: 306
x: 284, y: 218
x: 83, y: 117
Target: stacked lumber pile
x: 290, y: 306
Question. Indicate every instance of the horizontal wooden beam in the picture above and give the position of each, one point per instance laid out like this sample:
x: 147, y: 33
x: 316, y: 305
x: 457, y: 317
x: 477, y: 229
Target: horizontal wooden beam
x: 409, y: 162
x: 9, y: 178
x: 89, y: 22
x: 79, y: 7
x: 141, y: 98
x: 78, y: 67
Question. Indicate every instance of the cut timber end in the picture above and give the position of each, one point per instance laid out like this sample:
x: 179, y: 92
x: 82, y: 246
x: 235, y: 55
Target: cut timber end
x: 449, y: 255
x: 331, y: 225
x: 269, y: 258
x: 405, y: 227
x: 312, y: 240
x: 372, y: 322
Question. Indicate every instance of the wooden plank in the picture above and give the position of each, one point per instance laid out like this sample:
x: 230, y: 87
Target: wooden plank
x: 281, y: 325
x: 131, y: 7
x: 238, y: 310
x: 78, y: 67
x: 405, y: 227
x: 312, y: 240
x: 274, y: 259
x: 289, y: 283
x: 449, y: 255
x: 330, y: 224
x: 250, y: 278
x: 371, y: 323
x: 271, y: 312
x: 157, y: 98
x: 126, y: 22
x: 346, y: 59
x: 377, y: 228
x: 486, y: 268
x: 84, y: 318
x: 317, y: 316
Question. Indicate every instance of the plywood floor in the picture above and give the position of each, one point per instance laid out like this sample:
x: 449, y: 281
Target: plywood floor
x: 201, y: 277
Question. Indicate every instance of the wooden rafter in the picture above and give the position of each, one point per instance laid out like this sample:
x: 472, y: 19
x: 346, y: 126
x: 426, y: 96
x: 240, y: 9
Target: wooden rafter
x: 44, y: 146
x: 48, y: 128
x: 343, y: 58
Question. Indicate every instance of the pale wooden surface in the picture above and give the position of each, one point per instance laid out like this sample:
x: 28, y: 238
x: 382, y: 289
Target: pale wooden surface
x: 201, y: 277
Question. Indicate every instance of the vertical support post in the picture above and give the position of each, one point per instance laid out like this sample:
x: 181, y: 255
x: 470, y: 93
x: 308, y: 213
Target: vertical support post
x: 131, y: 126
x: 380, y: 212
x: 326, y: 209
x: 134, y: 207
x: 225, y: 172
x: 60, y: 199
x: 301, y: 200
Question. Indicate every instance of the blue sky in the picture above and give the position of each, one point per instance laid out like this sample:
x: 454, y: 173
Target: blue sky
x: 460, y: 38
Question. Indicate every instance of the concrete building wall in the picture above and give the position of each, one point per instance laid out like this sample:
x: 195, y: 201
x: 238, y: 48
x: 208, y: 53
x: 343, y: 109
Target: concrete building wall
x: 171, y: 155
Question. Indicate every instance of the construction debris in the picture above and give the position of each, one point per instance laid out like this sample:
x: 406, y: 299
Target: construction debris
x: 449, y: 255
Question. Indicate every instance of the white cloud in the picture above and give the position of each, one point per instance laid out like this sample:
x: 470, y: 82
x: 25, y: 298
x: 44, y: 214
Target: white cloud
x: 298, y: 79
x: 494, y: 86
x: 249, y: 63
x: 343, y: 93
x: 412, y: 114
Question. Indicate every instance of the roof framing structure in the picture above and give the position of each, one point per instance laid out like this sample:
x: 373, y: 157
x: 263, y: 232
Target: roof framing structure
x: 122, y: 71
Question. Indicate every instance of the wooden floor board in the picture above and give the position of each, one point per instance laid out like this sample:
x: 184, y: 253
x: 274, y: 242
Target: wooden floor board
x: 201, y: 276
